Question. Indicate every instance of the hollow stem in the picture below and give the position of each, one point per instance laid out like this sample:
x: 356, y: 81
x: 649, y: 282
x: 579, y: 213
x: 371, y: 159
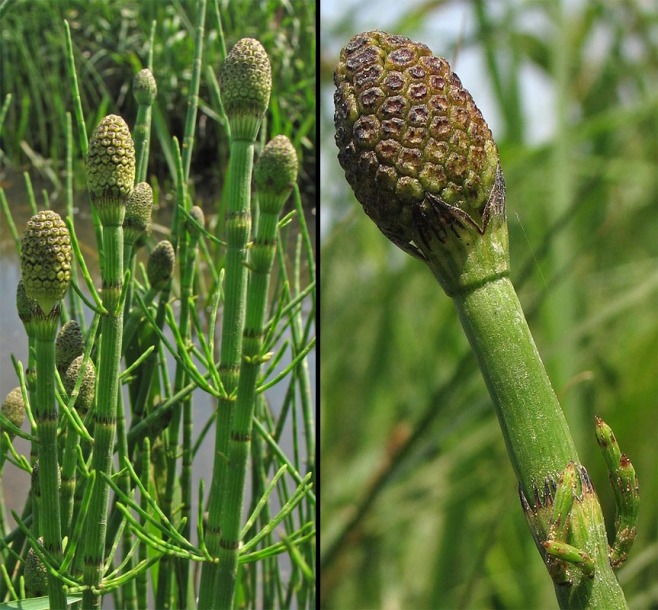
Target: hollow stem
x: 105, y: 414
x: 532, y: 422
x: 46, y: 418
x: 534, y: 427
x: 262, y: 255
x: 237, y: 233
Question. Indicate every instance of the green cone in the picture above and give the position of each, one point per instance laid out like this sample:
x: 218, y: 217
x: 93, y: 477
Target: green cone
x: 111, y: 169
x: 145, y: 89
x: 69, y: 345
x: 46, y: 259
x: 245, y: 84
x: 197, y: 214
x: 13, y: 408
x: 36, y: 574
x: 160, y: 264
x: 85, y: 398
x: 138, y: 212
x: 275, y: 173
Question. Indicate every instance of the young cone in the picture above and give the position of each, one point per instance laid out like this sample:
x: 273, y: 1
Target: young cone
x: 69, y: 345
x: 246, y: 82
x: 160, y: 264
x: 111, y: 169
x: 13, y: 408
x: 36, y: 574
x: 145, y: 89
x: 138, y: 214
x: 46, y: 259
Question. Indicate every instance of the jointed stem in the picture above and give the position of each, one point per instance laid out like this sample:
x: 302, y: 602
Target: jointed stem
x: 535, y: 431
x: 240, y: 436
x: 46, y: 417
x: 525, y: 402
x: 237, y: 233
x: 106, y: 412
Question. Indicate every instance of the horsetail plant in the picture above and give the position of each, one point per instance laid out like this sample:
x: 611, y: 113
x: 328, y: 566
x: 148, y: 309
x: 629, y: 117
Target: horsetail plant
x: 139, y: 547
x: 275, y: 173
x: 423, y: 164
x: 46, y: 271
x: 110, y: 177
x: 246, y: 82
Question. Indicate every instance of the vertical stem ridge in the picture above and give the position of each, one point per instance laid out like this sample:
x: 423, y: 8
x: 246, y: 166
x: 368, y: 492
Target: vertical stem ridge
x: 46, y: 418
x: 262, y: 256
x: 105, y: 415
x: 238, y: 223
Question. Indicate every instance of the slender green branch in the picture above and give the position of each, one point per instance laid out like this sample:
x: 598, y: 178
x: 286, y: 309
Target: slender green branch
x: 193, y: 97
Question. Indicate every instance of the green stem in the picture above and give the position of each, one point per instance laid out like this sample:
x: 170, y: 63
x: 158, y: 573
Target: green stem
x: 46, y: 417
x: 525, y: 402
x: 262, y: 255
x: 105, y: 414
x: 69, y: 463
x: 534, y: 428
x: 193, y: 97
x: 237, y: 233
x: 142, y: 136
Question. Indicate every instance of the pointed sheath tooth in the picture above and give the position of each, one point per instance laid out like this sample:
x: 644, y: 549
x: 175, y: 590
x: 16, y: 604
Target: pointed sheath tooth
x: 46, y: 259
x: 111, y: 169
x: 275, y: 173
x: 407, y: 128
x: 245, y: 84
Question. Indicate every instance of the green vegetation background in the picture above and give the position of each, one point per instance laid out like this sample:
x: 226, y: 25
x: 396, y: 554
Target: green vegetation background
x: 445, y: 527
x: 110, y: 40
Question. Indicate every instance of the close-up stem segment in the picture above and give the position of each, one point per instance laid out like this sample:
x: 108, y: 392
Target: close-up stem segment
x: 423, y: 164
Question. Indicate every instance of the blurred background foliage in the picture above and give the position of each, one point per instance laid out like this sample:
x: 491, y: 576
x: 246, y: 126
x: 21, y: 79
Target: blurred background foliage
x: 110, y: 43
x: 419, y: 504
